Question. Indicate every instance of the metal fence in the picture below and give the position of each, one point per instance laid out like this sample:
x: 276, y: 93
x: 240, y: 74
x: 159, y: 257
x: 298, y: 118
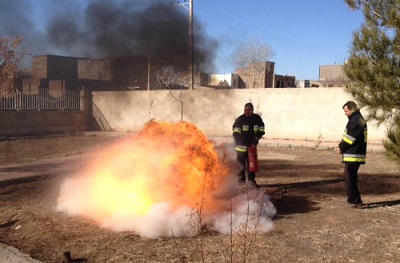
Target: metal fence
x: 44, y: 100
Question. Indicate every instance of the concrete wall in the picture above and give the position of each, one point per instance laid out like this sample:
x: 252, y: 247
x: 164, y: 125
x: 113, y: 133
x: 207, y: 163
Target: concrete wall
x: 302, y: 114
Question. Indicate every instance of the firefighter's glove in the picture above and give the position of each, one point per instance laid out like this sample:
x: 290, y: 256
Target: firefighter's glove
x: 255, y: 141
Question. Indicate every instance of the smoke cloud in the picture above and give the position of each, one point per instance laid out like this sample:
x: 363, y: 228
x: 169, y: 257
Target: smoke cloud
x: 108, y: 28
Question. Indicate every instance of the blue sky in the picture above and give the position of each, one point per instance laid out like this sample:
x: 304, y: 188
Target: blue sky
x: 303, y: 34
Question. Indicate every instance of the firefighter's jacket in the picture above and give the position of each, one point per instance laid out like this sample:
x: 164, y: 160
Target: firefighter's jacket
x: 354, y: 140
x: 247, y: 130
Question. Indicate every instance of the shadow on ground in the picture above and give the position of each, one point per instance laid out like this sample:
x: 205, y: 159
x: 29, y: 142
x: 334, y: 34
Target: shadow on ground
x: 295, y: 205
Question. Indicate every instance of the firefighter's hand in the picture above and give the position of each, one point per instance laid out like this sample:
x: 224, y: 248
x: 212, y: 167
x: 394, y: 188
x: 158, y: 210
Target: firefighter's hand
x: 255, y: 141
x: 340, y: 151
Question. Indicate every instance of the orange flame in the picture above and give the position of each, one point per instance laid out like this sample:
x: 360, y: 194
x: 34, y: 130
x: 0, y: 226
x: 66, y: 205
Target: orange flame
x: 165, y: 162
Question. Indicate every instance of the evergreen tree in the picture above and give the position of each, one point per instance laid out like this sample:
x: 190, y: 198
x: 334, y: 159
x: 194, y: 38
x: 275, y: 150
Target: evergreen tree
x: 374, y: 66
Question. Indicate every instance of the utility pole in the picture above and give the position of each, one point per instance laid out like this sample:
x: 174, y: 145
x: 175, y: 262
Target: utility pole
x: 189, y: 5
x: 191, y: 77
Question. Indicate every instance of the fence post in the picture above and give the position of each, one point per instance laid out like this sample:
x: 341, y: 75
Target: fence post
x: 82, y: 100
x: 18, y: 103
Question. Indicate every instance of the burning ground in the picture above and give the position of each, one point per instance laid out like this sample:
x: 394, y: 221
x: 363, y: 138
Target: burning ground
x: 312, y: 222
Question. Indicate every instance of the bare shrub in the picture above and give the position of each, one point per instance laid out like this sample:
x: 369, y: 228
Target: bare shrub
x: 9, y: 61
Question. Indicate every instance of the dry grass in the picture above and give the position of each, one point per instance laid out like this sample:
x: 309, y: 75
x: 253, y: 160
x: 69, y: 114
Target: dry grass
x: 313, y: 223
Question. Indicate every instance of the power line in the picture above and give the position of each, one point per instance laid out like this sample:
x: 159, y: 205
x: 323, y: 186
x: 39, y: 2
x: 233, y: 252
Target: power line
x: 283, y: 40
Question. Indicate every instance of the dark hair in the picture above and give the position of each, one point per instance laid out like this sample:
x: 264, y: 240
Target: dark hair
x: 351, y: 105
x: 249, y: 104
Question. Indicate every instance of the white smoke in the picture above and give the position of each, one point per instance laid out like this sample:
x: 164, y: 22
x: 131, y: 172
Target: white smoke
x: 250, y: 209
x: 149, y: 187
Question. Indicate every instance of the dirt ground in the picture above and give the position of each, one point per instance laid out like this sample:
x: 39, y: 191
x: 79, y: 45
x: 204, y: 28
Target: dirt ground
x: 313, y: 222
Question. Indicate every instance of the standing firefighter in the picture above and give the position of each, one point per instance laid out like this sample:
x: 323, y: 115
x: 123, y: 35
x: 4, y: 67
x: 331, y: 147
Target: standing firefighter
x: 248, y: 128
x: 353, y: 148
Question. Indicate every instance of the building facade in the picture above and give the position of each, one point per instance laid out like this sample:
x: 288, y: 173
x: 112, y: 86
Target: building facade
x: 258, y: 75
x: 332, y: 76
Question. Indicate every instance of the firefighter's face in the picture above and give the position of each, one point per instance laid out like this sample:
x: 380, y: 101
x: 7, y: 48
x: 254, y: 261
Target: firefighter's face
x: 248, y: 111
x: 347, y: 112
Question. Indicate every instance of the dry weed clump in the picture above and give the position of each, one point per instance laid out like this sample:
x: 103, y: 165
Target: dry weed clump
x: 236, y: 244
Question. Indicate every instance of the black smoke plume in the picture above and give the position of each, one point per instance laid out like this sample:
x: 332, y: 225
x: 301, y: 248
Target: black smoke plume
x: 108, y: 29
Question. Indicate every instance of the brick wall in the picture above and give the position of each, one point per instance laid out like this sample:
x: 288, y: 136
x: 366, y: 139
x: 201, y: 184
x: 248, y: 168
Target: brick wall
x: 332, y: 76
x: 19, y: 123
x: 39, y: 66
x: 95, y: 69
x: 260, y: 75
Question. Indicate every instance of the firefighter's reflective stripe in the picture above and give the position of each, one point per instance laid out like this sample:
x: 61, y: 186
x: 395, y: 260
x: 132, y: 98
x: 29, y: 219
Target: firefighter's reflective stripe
x: 246, y: 128
x: 237, y: 130
x: 365, y: 134
x: 241, y: 148
x: 348, y: 138
x: 354, y: 158
x: 257, y: 128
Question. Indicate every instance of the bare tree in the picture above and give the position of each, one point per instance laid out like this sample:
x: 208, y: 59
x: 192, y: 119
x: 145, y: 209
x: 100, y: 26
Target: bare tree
x: 251, y: 58
x: 9, y: 61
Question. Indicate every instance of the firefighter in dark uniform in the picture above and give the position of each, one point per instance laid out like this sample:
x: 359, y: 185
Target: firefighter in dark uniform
x: 248, y: 128
x: 353, y: 148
